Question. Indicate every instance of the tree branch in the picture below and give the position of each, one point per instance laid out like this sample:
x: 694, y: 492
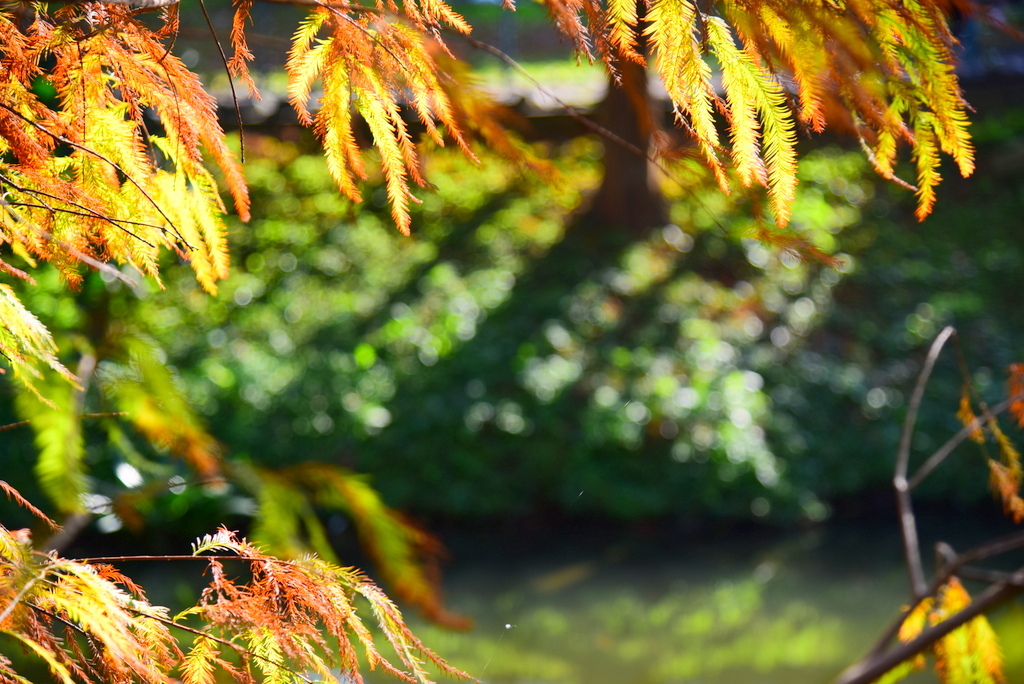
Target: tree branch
x: 946, y: 449
x: 1004, y: 585
x: 908, y: 525
x: 872, y: 667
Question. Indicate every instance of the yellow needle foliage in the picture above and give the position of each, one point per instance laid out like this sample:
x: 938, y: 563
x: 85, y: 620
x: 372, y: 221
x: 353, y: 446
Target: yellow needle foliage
x: 969, y: 654
x: 289, y: 621
x: 84, y: 181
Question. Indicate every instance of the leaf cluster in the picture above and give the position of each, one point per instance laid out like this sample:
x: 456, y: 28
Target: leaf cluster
x: 287, y: 621
x: 970, y: 654
x: 116, y: 168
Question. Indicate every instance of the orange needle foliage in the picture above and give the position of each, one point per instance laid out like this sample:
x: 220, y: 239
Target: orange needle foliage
x: 83, y: 181
x: 290, y: 621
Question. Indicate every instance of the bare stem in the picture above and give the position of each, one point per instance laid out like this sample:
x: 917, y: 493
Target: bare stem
x: 908, y: 525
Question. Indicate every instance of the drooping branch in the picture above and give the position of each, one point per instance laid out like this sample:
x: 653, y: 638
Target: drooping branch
x: 100, y: 266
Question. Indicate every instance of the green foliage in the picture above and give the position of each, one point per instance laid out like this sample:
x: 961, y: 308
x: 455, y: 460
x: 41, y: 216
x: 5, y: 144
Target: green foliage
x: 496, y: 364
x: 58, y: 437
x: 906, y: 285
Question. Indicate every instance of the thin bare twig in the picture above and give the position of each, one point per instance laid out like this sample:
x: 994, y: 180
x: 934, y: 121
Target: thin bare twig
x: 946, y: 449
x: 908, y: 526
x: 1015, y: 579
x: 76, y: 253
x: 952, y: 564
x: 23, y: 423
x: 1010, y: 542
x: 71, y: 212
x: 231, y: 80
x: 949, y: 563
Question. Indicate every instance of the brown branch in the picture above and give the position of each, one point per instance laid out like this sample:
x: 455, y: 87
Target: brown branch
x: 908, y: 526
x: 946, y: 449
x: 999, y: 546
x: 872, y: 667
x: 893, y: 178
x: 951, y: 564
x: 1004, y: 585
x: 1015, y: 579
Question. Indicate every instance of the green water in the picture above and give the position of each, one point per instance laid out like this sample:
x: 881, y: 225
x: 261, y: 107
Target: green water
x: 634, y: 608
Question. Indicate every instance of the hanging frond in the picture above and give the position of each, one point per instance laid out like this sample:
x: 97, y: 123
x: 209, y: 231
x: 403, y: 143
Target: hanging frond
x: 287, y: 523
x: 754, y: 95
x: 622, y: 22
x: 145, y: 391
x: 672, y: 29
x: 1007, y: 474
x: 238, y: 65
x: 1015, y: 392
x: 969, y: 653
x: 25, y: 342
x: 372, y: 69
x: 123, y: 636
x: 15, y: 496
x: 568, y: 18
x: 320, y: 604
x: 290, y: 621
x: 405, y: 554
x: 60, y: 466
x: 926, y: 156
x: 116, y: 193
x: 967, y: 416
x: 913, y: 625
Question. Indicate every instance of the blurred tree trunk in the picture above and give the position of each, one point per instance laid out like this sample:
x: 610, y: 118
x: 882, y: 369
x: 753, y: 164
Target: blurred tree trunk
x: 629, y: 197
